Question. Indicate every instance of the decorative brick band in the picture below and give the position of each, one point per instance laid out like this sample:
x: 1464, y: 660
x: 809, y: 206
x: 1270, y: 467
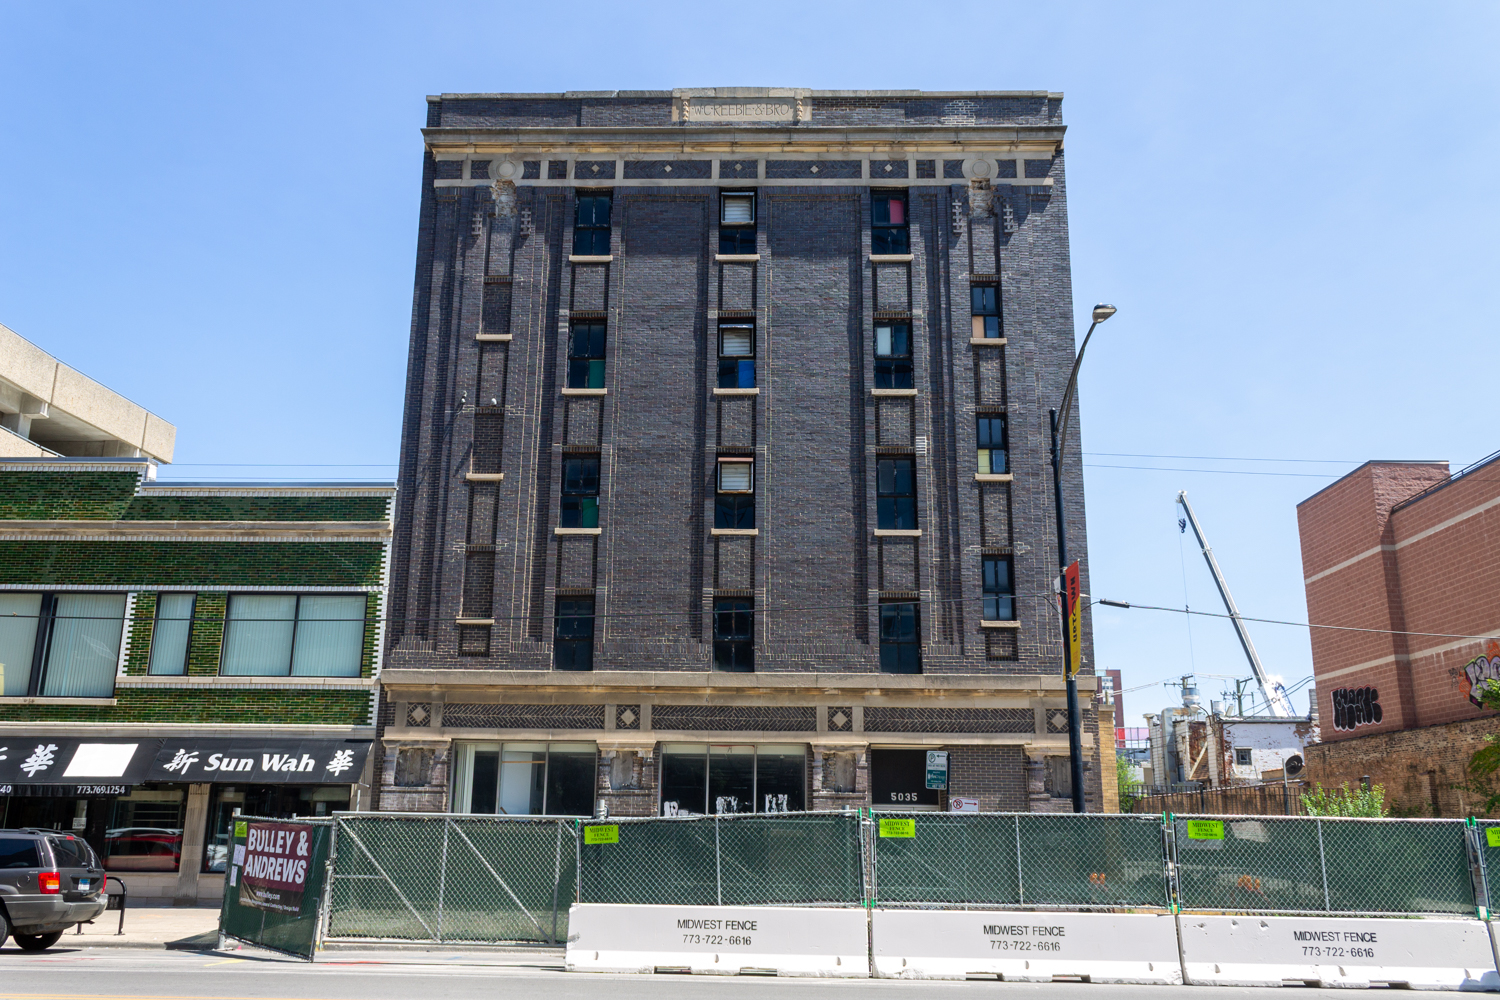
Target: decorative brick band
x: 948, y: 720
x: 523, y: 716
x: 734, y: 718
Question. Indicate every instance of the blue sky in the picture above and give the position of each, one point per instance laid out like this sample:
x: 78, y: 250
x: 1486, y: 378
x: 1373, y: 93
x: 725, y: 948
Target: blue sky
x: 212, y: 209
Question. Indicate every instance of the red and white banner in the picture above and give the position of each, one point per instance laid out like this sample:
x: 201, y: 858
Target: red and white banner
x: 277, y: 856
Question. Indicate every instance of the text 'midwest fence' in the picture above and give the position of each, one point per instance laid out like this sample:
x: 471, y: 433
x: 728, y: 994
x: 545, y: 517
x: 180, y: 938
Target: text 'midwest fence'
x: 451, y: 878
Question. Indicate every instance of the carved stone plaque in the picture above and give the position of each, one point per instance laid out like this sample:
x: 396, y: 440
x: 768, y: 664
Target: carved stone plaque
x: 740, y: 109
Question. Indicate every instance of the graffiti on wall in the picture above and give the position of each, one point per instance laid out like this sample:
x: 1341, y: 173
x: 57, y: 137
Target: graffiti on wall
x: 1356, y: 707
x: 1480, y: 672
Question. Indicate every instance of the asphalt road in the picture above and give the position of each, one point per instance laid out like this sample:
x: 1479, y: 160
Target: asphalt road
x: 128, y: 974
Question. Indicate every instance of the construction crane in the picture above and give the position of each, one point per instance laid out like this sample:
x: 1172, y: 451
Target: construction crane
x: 1276, y: 698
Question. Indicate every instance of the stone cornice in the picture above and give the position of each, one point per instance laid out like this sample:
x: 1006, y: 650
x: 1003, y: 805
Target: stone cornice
x: 917, y: 140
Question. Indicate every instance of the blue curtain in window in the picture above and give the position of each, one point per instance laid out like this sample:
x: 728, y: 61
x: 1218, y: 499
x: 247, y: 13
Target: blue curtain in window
x: 169, y: 639
x: 258, y: 635
x: 85, y: 646
x: 330, y: 635
x: 18, y: 618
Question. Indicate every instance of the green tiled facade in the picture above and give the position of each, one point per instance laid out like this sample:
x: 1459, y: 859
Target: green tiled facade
x: 186, y: 564
x: 254, y: 554
x: 67, y: 496
x: 283, y: 707
x: 256, y: 509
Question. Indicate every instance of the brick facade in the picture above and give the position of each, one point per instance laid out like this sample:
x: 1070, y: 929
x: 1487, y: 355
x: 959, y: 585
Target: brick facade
x: 1414, y: 555
x: 481, y: 555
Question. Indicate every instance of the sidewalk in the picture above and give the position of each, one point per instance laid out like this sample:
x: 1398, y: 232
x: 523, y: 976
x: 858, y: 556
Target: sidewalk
x: 176, y: 927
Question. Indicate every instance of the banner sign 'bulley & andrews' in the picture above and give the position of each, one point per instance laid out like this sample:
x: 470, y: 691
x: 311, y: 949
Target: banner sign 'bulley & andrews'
x: 275, y: 866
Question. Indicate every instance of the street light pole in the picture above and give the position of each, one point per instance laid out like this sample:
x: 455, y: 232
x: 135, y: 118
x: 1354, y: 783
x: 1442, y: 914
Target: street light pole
x: 1059, y: 421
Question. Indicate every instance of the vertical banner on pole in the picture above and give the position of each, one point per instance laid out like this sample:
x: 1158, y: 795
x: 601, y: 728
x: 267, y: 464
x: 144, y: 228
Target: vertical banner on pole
x: 1074, y: 608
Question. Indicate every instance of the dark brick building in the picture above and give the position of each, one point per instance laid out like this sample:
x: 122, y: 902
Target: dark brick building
x: 724, y: 480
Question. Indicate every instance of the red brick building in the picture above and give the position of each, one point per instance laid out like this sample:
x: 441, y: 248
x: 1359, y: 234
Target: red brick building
x: 1412, y: 553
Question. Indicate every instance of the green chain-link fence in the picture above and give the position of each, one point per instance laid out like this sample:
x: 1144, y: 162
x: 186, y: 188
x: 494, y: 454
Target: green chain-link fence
x: 425, y: 877
x: 779, y: 859
x: 452, y: 878
x: 1025, y: 859
x: 1315, y: 865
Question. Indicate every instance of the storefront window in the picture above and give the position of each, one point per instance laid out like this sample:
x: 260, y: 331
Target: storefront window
x: 145, y: 830
x: 271, y: 801
x: 718, y: 778
x: 525, y: 779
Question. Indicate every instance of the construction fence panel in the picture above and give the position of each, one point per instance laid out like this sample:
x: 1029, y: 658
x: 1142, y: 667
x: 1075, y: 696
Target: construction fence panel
x: 1019, y: 859
x: 800, y: 859
x: 449, y: 878
x: 1487, y: 855
x: 1270, y: 864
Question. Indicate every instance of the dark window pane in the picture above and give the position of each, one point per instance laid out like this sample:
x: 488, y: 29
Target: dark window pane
x: 579, y: 512
x: 984, y: 301
x: 999, y: 590
x: 19, y: 852
x: 573, y: 634
x: 734, y: 510
x: 486, y: 786
x: 900, y: 652
x: 737, y: 239
x: 736, y: 374
x: 893, y: 375
x: 731, y: 782
x: 888, y: 209
x: 889, y: 241
x: 581, y: 476
x: 734, y: 634
x: 570, y: 784
x: 991, y: 432
x: 896, y: 502
x: 780, y: 782
x: 684, y: 782
x: 895, y: 477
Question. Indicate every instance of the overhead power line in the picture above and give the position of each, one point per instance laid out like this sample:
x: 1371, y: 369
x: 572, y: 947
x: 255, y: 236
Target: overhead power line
x: 1277, y: 621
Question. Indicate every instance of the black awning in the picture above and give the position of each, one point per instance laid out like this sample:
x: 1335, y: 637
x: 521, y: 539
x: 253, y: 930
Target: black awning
x: 66, y: 763
x: 251, y: 760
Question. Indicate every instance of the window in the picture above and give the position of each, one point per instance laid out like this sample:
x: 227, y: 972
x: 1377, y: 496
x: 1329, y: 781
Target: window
x: 580, y: 492
x: 999, y: 590
x: 734, y: 634
x: 145, y: 831
x: 586, y: 355
x: 984, y: 303
x: 701, y: 778
x: 888, y: 232
x: 994, y: 452
x: 169, y: 639
x: 736, y: 356
x: 19, y: 852
x: 60, y: 645
x: 896, y: 489
x: 573, y: 634
x: 525, y: 779
x: 893, y: 356
x: 271, y: 801
x: 734, y: 502
x: 591, y: 224
x: 1242, y: 757
x: 900, y: 649
x: 737, y: 222
x: 294, y: 635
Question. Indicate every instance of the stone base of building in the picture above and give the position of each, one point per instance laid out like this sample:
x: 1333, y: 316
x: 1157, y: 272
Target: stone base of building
x: 1424, y: 771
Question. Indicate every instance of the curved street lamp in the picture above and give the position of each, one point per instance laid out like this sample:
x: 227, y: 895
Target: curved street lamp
x: 1102, y: 312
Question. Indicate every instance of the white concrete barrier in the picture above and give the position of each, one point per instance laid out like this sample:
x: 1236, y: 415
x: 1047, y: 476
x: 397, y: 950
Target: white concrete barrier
x: 1338, y: 951
x: 1025, y: 946
x: 718, y: 940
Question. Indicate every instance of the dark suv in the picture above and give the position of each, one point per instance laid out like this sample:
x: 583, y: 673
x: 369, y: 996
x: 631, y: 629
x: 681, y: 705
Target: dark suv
x: 49, y: 881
